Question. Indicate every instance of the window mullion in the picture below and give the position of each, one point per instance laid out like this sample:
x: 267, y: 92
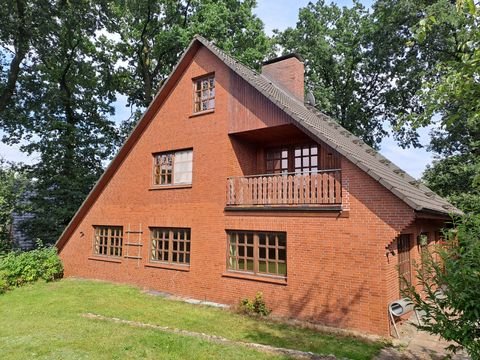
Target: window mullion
x: 170, y: 246
x: 255, y: 253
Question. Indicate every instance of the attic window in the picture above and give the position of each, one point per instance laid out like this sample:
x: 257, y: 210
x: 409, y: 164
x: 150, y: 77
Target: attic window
x: 204, y: 94
x: 173, y: 168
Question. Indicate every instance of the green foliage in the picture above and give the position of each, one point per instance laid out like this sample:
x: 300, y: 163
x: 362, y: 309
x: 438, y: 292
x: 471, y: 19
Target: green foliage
x: 255, y: 306
x: 450, y: 278
x: 60, y: 105
x: 12, y: 185
x: 457, y: 179
x: 19, y: 268
x: 453, y: 96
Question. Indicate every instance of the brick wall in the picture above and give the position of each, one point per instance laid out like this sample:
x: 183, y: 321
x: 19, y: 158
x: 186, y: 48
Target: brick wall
x: 338, y: 273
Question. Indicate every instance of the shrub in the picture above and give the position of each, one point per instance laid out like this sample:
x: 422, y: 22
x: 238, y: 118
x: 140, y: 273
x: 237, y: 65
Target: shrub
x: 256, y: 306
x: 18, y: 268
x: 450, y: 279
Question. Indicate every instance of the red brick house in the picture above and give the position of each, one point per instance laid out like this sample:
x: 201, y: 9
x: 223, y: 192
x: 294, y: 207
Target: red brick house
x: 230, y: 185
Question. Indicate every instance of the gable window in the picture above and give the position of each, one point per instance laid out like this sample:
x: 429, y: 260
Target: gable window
x: 259, y: 253
x: 204, y: 94
x: 173, y: 168
x: 108, y: 241
x: 170, y: 245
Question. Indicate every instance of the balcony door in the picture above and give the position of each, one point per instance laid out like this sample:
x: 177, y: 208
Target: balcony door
x: 300, y: 159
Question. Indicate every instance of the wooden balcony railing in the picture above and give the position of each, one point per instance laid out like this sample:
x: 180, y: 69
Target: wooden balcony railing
x: 315, y: 188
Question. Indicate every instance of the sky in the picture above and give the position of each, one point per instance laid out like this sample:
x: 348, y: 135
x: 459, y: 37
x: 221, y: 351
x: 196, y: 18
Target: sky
x: 280, y: 14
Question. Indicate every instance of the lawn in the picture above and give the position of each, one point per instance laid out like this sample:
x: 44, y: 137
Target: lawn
x: 45, y: 320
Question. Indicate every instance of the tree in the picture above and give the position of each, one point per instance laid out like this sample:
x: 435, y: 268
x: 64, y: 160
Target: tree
x: 453, y: 96
x: 61, y: 108
x: 365, y: 67
x: 152, y: 35
x: 450, y: 282
x: 457, y: 178
x: 12, y: 185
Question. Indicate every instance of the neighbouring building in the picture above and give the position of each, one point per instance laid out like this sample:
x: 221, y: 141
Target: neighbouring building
x: 230, y: 185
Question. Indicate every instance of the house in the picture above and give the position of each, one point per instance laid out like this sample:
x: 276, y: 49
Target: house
x: 230, y: 185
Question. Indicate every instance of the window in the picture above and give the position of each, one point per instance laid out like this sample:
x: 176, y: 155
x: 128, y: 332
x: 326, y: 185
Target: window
x: 404, y: 268
x: 108, y: 240
x: 300, y: 159
x: 204, y: 94
x: 306, y: 159
x: 259, y: 253
x: 171, y: 246
x: 173, y: 168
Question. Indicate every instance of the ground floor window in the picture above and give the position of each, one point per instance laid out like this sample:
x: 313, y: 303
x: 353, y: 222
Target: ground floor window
x: 170, y: 245
x: 260, y: 253
x: 108, y: 240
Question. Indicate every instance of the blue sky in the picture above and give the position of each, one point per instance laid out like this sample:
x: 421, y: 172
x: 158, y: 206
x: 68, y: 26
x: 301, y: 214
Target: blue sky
x: 280, y: 14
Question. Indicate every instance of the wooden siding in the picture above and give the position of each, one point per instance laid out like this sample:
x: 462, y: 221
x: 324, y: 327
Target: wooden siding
x: 250, y: 110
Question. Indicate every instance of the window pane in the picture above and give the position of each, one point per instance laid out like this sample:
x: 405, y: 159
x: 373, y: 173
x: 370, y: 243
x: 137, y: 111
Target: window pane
x: 262, y: 253
x: 262, y: 239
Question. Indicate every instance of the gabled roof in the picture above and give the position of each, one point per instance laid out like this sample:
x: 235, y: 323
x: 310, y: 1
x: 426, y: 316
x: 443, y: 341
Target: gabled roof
x: 318, y: 125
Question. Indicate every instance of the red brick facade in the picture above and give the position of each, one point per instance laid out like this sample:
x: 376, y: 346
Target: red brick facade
x: 337, y: 269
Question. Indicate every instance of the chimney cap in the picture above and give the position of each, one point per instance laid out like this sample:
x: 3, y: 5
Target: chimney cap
x: 284, y: 57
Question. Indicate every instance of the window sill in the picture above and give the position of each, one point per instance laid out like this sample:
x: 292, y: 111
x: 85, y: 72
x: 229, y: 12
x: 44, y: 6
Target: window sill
x: 106, y: 259
x: 200, y: 113
x: 185, y: 268
x: 251, y: 277
x: 169, y: 187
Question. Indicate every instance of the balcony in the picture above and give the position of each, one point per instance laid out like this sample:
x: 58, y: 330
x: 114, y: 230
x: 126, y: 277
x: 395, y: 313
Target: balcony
x: 316, y: 190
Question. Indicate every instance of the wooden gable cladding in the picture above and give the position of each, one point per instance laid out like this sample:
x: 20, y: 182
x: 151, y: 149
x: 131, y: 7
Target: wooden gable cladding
x: 328, y: 158
x: 249, y: 110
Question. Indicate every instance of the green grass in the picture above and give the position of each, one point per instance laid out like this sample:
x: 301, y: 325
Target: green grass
x: 44, y: 321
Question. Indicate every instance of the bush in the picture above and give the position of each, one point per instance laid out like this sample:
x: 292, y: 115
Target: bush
x: 18, y: 268
x: 256, y: 306
x: 450, y: 279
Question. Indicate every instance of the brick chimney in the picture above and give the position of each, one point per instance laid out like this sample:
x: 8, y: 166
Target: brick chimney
x: 287, y: 72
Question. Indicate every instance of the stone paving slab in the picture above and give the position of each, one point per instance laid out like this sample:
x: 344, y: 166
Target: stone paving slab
x: 418, y: 345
